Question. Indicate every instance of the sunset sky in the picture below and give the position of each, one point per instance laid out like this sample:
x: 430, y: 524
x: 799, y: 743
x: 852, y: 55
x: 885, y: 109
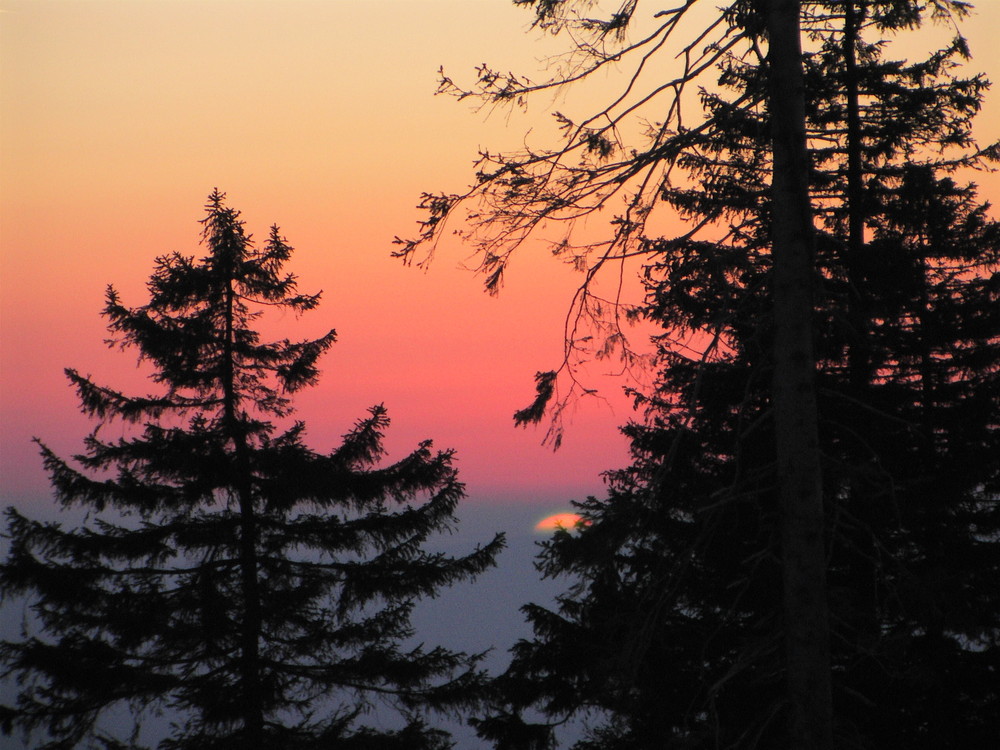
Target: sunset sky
x: 118, y: 117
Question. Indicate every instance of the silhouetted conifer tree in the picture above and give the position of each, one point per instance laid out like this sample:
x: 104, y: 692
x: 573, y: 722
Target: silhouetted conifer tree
x: 254, y: 590
x: 520, y: 192
x: 672, y: 634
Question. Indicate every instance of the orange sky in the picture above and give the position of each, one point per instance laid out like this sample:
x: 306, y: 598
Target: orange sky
x: 119, y: 117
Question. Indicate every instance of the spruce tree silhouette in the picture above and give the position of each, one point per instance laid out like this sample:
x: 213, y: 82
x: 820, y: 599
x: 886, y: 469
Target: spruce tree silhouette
x: 255, y: 590
x: 593, y: 167
x: 671, y: 631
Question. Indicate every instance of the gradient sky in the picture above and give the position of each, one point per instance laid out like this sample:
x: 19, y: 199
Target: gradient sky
x: 118, y: 118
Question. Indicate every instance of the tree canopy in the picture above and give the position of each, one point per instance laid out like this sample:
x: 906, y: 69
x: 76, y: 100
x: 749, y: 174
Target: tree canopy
x: 671, y: 632
x: 256, y: 590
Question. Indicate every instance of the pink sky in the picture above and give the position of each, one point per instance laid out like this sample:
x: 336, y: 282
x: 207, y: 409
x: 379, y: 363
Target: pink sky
x: 120, y: 117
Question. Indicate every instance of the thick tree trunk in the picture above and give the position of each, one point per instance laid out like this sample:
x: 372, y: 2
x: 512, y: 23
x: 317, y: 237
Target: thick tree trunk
x: 807, y: 640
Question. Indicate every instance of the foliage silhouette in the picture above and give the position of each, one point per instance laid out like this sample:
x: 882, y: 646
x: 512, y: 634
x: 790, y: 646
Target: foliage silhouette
x: 672, y: 630
x: 522, y: 192
x: 256, y: 590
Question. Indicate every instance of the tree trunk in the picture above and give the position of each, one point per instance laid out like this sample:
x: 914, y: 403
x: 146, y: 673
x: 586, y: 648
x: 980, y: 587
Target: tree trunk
x: 864, y: 568
x: 859, y: 357
x: 807, y: 639
x: 253, y: 700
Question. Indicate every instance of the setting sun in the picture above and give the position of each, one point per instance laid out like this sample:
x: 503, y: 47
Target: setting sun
x: 559, y: 521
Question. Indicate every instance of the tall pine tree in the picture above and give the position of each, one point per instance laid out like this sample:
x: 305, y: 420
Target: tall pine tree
x: 256, y: 591
x: 672, y: 632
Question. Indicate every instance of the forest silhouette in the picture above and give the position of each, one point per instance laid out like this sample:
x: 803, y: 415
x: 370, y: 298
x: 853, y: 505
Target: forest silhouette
x: 803, y: 552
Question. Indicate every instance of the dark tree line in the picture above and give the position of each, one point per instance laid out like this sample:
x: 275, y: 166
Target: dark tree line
x: 681, y: 627
x: 255, y: 590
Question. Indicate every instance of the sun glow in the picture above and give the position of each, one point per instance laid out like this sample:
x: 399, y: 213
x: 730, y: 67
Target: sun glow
x: 559, y: 521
